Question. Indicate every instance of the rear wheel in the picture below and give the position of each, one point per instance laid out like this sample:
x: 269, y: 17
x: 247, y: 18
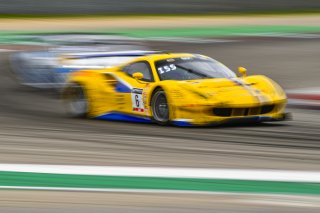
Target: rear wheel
x: 160, y: 108
x: 76, y: 102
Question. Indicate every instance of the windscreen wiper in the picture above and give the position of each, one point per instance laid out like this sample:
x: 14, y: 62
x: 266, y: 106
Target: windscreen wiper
x: 191, y: 71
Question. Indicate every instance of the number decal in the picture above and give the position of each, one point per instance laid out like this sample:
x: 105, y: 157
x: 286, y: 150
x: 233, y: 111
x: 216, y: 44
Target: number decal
x: 161, y: 71
x: 166, y: 68
x: 137, y: 100
x: 172, y: 66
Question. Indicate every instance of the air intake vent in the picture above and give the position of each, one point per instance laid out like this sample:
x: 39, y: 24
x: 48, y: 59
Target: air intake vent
x: 227, y: 112
x: 266, y: 109
x: 224, y: 112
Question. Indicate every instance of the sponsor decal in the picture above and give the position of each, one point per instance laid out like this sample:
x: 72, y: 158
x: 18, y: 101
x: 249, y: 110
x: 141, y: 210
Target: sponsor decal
x: 137, y: 100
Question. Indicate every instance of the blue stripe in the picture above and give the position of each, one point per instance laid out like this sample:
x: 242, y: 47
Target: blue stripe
x: 181, y: 123
x: 66, y: 70
x: 117, y: 116
x: 120, y: 87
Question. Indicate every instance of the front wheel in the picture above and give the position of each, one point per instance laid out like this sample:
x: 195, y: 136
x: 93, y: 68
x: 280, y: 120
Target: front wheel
x: 160, y: 108
x: 75, y: 101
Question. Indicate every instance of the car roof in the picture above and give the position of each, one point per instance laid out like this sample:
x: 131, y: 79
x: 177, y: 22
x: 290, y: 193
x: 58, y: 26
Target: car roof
x: 137, y: 56
x: 163, y: 56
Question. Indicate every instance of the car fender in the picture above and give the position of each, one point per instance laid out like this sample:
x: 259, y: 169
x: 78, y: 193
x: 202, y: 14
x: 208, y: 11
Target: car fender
x: 267, y: 85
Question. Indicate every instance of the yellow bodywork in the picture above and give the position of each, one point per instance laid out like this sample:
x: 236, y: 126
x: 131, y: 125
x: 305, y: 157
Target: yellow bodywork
x: 192, y: 102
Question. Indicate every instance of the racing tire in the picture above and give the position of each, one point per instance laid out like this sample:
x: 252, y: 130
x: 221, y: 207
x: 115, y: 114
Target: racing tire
x: 160, y: 108
x: 75, y: 101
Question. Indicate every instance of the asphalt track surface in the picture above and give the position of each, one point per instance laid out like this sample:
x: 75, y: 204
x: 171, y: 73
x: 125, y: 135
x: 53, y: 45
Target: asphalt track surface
x: 34, y: 129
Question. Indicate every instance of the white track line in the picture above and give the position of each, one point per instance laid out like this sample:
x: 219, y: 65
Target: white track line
x: 6, y: 50
x: 162, y: 191
x: 237, y: 174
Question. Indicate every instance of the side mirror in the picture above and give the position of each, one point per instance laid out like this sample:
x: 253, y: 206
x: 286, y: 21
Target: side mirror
x: 137, y: 75
x: 242, y: 71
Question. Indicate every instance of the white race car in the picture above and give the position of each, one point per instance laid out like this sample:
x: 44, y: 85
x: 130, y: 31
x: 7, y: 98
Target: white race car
x: 62, y: 54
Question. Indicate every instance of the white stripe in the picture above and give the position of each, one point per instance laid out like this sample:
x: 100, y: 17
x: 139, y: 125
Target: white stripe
x: 85, y: 66
x: 238, y: 174
x: 6, y: 50
x: 164, y: 191
x: 258, y: 95
x: 183, y: 120
x: 113, y: 53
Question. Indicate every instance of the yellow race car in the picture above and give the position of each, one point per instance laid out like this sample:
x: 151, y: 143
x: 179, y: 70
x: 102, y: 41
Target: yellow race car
x: 173, y: 88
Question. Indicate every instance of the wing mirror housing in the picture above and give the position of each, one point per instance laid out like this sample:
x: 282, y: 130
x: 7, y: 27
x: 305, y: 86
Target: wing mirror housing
x: 137, y: 75
x: 242, y: 71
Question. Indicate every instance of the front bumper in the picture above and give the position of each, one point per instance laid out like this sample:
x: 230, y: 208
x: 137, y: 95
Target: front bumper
x: 236, y: 120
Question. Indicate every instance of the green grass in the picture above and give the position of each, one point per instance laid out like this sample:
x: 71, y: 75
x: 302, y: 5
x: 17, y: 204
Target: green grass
x: 217, y: 31
x: 15, y: 37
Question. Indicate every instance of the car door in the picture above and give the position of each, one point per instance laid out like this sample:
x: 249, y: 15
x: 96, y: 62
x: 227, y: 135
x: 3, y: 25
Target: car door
x: 135, y: 100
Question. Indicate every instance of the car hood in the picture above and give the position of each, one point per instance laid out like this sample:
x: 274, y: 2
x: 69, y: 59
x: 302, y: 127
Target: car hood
x: 224, y: 91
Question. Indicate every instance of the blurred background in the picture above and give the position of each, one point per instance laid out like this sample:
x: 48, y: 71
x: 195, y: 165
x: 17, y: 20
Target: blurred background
x: 279, y: 39
x: 175, y: 7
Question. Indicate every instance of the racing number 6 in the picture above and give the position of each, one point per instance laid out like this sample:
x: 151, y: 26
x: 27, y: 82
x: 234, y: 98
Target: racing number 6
x: 137, y: 100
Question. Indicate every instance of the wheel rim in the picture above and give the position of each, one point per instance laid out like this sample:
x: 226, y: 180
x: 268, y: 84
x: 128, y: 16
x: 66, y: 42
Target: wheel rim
x: 160, y: 108
x: 77, y: 102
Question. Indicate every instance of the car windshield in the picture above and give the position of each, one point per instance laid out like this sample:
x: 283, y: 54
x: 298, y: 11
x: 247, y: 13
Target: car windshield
x: 191, y: 68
